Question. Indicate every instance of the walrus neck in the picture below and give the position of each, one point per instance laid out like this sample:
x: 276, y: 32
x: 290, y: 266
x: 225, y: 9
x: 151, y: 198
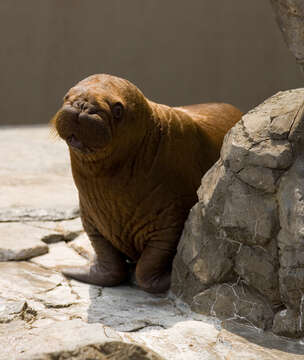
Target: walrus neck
x: 114, y: 161
x: 96, y: 165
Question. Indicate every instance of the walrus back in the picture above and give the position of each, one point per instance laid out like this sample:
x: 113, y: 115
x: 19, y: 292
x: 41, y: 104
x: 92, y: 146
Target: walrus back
x: 216, y: 119
x: 220, y: 116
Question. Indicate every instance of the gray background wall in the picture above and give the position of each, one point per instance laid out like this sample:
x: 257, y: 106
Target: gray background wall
x: 177, y: 52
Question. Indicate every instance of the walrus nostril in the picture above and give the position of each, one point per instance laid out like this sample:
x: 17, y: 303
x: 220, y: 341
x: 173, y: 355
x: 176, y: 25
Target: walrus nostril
x: 91, y: 109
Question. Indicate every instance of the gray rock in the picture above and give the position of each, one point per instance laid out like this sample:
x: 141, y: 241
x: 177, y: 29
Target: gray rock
x: 273, y: 154
x: 235, y: 148
x: 291, y: 201
x: 206, y: 251
x: 234, y: 302
x: 290, y: 18
x: 291, y: 250
x: 290, y: 239
x: 291, y: 286
x: 289, y: 323
x: 281, y: 124
x: 253, y: 141
x: 17, y: 242
x: 268, y: 153
x: 181, y: 275
x: 260, y: 178
x: 249, y: 216
x: 235, y: 208
x: 296, y: 132
x: 259, y: 268
x: 248, y: 227
x: 36, y: 214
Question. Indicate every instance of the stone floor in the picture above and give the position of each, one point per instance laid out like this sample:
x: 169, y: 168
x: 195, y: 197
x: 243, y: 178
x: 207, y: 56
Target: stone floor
x: 42, y: 312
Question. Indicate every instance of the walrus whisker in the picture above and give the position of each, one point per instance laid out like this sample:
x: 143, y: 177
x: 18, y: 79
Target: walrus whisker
x: 53, y: 131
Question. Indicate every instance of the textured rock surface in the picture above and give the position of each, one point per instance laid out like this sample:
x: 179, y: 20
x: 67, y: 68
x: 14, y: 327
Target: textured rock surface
x: 59, y: 230
x: 241, y: 255
x: 234, y: 302
x: 46, y: 316
x: 82, y: 246
x: 290, y: 18
x: 59, y: 255
x: 18, y: 242
x: 11, y: 310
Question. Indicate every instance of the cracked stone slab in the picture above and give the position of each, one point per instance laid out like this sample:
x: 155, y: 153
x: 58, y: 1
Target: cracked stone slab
x: 28, y: 281
x: 125, y: 308
x: 24, y: 280
x: 120, y: 313
x: 82, y: 245
x: 60, y: 255
x: 10, y: 310
x: 37, y: 214
x: 51, y: 336
x: 17, y: 242
x: 203, y: 340
x: 184, y: 338
x: 59, y: 297
x: 59, y: 230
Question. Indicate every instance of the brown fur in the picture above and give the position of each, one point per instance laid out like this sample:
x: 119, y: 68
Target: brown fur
x: 137, y: 174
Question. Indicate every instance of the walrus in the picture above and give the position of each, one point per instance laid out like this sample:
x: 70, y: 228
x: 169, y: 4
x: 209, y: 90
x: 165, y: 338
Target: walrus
x: 137, y: 165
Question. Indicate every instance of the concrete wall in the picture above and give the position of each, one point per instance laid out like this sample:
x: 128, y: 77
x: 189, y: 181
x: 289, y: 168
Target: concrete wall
x: 177, y: 52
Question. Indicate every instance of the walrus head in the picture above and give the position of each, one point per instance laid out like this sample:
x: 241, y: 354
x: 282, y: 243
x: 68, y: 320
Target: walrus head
x: 101, y: 113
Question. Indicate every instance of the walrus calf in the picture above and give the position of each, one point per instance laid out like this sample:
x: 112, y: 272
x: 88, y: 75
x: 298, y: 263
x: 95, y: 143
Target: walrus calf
x: 137, y: 166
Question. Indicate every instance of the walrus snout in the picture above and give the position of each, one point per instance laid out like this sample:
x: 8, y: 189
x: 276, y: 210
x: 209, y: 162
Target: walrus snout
x: 85, y: 107
x: 82, y: 127
x: 66, y: 115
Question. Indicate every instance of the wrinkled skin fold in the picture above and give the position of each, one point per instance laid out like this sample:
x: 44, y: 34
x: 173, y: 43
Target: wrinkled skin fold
x: 137, y: 166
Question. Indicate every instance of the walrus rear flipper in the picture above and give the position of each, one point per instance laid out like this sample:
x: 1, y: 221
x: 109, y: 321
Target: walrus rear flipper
x: 108, y: 269
x: 153, y: 270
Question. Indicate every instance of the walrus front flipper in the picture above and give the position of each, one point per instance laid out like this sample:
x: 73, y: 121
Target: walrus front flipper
x: 153, y: 269
x: 108, y: 269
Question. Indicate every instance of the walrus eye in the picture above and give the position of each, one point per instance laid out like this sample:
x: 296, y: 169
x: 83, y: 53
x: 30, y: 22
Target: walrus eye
x: 117, y: 111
